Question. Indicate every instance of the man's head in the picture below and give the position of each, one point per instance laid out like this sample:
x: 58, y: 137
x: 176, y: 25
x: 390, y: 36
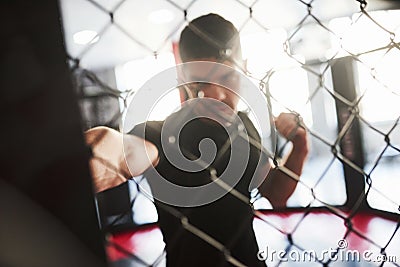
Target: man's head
x: 210, y: 36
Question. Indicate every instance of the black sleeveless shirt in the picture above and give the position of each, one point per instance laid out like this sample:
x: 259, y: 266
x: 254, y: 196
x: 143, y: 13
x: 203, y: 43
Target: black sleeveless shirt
x: 227, y: 220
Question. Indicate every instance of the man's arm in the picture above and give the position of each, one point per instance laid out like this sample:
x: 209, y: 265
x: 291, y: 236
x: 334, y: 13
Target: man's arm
x: 278, y: 186
x: 111, y: 152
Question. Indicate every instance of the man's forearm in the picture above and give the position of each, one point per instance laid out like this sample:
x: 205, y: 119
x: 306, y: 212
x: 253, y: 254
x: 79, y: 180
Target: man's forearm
x: 280, y: 185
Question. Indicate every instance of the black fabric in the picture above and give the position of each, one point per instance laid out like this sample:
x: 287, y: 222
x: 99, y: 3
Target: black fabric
x: 228, y: 220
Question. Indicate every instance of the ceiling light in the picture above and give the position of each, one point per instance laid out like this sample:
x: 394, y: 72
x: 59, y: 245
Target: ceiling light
x: 84, y: 37
x: 161, y: 16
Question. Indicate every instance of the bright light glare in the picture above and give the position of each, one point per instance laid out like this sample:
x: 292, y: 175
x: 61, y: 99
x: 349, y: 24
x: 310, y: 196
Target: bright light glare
x: 360, y: 34
x: 84, y: 37
x: 161, y: 16
x: 134, y: 74
x: 381, y: 93
x: 264, y: 51
x: 290, y: 88
x: 377, y: 78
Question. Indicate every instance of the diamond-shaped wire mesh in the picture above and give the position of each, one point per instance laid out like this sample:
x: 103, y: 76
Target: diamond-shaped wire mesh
x: 299, y: 51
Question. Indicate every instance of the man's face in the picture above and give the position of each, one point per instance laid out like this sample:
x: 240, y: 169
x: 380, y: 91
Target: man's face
x: 218, y: 81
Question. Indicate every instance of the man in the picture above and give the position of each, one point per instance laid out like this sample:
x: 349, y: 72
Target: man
x: 209, y: 114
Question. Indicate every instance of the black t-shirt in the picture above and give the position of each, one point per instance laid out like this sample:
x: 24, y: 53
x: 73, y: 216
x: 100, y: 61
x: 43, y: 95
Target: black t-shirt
x: 227, y: 220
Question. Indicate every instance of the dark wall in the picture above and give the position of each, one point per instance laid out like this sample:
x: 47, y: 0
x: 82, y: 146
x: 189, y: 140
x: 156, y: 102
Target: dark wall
x: 42, y: 152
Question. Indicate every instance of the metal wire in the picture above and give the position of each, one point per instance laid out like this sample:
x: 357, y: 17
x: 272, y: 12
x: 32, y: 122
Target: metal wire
x: 353, y: 115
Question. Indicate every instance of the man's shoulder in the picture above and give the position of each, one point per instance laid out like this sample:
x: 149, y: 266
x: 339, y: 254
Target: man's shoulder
x: 149, y: 130
x: 248, y: 124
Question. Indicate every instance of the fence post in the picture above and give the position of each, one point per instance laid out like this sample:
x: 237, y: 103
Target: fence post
x: 351, y: 143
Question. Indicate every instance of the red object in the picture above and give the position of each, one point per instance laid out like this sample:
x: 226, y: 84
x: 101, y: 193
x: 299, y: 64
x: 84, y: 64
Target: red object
x: 317, y: 231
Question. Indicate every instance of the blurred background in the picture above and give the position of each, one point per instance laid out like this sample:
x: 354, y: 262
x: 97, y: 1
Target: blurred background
x: 333, y: 62
x: 299, y: 49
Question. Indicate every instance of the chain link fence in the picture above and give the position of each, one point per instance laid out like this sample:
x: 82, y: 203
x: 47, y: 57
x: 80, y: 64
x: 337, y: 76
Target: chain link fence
x: 337, y: 73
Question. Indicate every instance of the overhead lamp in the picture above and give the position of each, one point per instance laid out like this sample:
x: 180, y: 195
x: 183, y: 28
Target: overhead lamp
x: 161, y: 16
x: 85, y: 37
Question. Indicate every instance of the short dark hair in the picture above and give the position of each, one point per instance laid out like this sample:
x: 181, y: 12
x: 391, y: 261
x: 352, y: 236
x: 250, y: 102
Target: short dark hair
x: 210, y: 36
